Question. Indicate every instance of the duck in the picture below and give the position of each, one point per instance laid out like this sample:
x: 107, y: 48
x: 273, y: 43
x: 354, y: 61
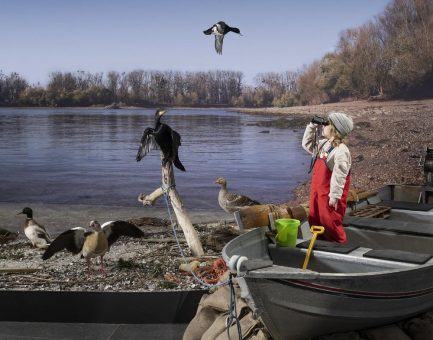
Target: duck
x: 35, y: 232
x: 220, y: 29
x: 161, y: 137
x: 95, y: 242
x: 7, y: 236
x: 231, y: 201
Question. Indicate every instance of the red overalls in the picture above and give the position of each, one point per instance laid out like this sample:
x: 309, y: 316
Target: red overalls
x: 321, y: 214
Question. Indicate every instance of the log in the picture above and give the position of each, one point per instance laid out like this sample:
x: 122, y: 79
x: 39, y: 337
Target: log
x: 258, y: 215
x: 169, y: 187
x: 19, y: 270
x: 151, y: 198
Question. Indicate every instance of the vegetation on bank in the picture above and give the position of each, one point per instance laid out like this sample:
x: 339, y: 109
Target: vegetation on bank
x: 390, y: 56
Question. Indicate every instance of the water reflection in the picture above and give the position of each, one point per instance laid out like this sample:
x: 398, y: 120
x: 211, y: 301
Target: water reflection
x: 87, y: 156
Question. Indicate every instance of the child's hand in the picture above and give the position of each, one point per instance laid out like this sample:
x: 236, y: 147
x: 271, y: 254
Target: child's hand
x: 333, y: 202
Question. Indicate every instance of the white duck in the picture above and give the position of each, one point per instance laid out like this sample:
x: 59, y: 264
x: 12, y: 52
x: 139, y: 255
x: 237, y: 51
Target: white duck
x: 231, y: 201
x: 34, y: 231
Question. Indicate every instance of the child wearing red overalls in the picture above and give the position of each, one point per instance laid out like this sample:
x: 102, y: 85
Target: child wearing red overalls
x: 331, y: 174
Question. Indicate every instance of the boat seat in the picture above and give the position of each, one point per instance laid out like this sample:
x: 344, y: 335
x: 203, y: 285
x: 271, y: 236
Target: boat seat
x: 406, y: 205
x: 332, y: 247
x: 398, y: 255
x: 416, y: 228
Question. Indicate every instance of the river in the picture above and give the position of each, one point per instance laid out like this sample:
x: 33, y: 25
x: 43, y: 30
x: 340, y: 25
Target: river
x: 87, y: 156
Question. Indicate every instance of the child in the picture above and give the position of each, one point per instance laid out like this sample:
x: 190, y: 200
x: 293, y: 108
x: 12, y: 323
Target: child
x: 331, y: 174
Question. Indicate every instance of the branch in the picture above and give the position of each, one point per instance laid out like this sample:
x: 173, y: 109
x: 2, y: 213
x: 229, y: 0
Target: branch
x: 151, y: 198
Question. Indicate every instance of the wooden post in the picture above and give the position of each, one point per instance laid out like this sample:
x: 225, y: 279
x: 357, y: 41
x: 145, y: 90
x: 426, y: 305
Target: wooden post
x: 169, y: 186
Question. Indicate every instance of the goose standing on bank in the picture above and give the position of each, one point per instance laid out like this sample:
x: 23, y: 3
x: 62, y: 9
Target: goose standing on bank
x: 161, y: 137
x: 34, y: 231
x: 93, y: 243
x: 220, y: 29
x: 231, y: 201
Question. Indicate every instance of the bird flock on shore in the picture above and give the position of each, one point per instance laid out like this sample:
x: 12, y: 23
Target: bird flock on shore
x: 95, y: 240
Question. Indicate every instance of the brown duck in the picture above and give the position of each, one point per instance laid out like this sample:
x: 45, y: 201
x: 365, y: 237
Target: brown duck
x: 231, y: 201
x: 93, y: 243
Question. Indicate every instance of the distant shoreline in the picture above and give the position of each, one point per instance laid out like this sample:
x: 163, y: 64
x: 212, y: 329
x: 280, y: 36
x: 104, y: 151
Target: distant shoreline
x: 387, y: 142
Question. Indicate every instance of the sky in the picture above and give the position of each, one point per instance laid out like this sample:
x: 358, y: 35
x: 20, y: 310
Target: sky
x: 38, y: 37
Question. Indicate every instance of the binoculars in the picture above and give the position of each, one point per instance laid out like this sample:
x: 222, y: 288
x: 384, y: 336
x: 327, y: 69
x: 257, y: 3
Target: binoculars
x: 320, y: 121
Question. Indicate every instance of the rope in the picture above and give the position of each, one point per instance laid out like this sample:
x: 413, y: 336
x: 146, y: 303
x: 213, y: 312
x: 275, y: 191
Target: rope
x: 232, y: 304
x: 173, y: 225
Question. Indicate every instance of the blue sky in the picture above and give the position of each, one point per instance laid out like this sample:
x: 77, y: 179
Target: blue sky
x: 42, y: 36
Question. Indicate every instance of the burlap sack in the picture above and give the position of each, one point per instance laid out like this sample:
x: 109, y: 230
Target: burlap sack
x: 218, y: 327
x: 202, y: 320
x: 259, y: 335
x: 247, y: 326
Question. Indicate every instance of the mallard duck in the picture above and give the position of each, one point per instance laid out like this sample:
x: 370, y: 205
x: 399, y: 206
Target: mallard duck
x: 34, y: 231
x: 93, y: 243
x: 220, y: 29
x: 7, y: 236
x: 231, y: 201
x: 161, y: 137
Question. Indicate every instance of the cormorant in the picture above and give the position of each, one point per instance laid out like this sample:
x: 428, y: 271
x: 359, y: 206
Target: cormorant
x: 35, y: 232
x: 220, y: 29
x: 161, y: 137
x: 92, y: 243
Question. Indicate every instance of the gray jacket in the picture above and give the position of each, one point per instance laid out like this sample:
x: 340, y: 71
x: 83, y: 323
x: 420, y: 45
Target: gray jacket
x: 338, y: 160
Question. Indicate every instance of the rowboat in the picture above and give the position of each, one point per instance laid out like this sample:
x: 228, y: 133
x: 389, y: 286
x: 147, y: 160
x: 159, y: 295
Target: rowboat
x: 383, y: 275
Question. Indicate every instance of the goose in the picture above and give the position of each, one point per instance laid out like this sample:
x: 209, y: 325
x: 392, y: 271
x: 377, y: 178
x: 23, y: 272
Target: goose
x: 161, y: 137
x: 34, y: 231
x: 220, y: 29
x: 230, y: 201
x: 94, y: 242
x: 7, y: 236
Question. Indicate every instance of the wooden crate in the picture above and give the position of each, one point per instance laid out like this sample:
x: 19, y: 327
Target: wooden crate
x: 375, y: 211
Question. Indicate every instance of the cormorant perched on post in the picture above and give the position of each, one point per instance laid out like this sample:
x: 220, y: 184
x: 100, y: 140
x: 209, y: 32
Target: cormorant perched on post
x: 220, y: 29
x: 161, y: 137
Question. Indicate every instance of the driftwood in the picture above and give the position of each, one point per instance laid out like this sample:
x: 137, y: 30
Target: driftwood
x: 19, y: 270
x: 169, y: 187
x: 258, y: 215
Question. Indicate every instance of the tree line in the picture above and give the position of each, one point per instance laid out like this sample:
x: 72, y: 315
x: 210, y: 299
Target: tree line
x: 390, y: 56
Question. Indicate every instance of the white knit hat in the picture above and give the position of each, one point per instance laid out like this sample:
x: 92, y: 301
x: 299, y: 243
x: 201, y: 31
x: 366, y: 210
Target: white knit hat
x: 342, y: 122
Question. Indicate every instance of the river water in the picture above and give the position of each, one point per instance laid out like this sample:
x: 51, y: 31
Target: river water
x: 87, y: 156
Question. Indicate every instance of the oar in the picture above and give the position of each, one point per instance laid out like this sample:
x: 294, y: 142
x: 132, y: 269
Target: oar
x: 316, y: 230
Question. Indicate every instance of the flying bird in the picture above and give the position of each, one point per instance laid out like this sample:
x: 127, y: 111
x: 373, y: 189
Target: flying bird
x: 92, y: 243
x: 220, y: 29
x: 161, y: 137
x: 34, y: 231
x: 231, y: 201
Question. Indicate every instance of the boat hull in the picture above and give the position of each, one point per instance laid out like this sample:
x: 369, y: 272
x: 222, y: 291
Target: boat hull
x: 299, y: 309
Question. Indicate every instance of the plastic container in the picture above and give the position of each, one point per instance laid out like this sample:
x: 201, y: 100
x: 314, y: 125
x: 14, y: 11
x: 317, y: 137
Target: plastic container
x: 287, y: 231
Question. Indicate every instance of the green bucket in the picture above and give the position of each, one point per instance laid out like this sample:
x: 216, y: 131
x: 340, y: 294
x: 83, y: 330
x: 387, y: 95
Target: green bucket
x: 287, y: 231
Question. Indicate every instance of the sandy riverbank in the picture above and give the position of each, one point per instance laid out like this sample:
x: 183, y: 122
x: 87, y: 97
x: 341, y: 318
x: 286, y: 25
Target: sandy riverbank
x: 386, y: 144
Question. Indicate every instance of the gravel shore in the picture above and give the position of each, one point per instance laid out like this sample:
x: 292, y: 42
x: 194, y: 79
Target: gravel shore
x: 386, y: 144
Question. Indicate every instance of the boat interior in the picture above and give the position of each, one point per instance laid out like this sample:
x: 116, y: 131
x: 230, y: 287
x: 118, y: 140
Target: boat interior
x: 396, y: 237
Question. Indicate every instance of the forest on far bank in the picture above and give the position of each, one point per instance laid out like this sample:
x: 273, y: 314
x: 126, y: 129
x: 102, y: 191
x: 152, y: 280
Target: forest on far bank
x: 389, y: 57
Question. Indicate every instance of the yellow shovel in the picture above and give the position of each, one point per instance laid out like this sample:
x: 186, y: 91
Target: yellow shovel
x: 316, y: 230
